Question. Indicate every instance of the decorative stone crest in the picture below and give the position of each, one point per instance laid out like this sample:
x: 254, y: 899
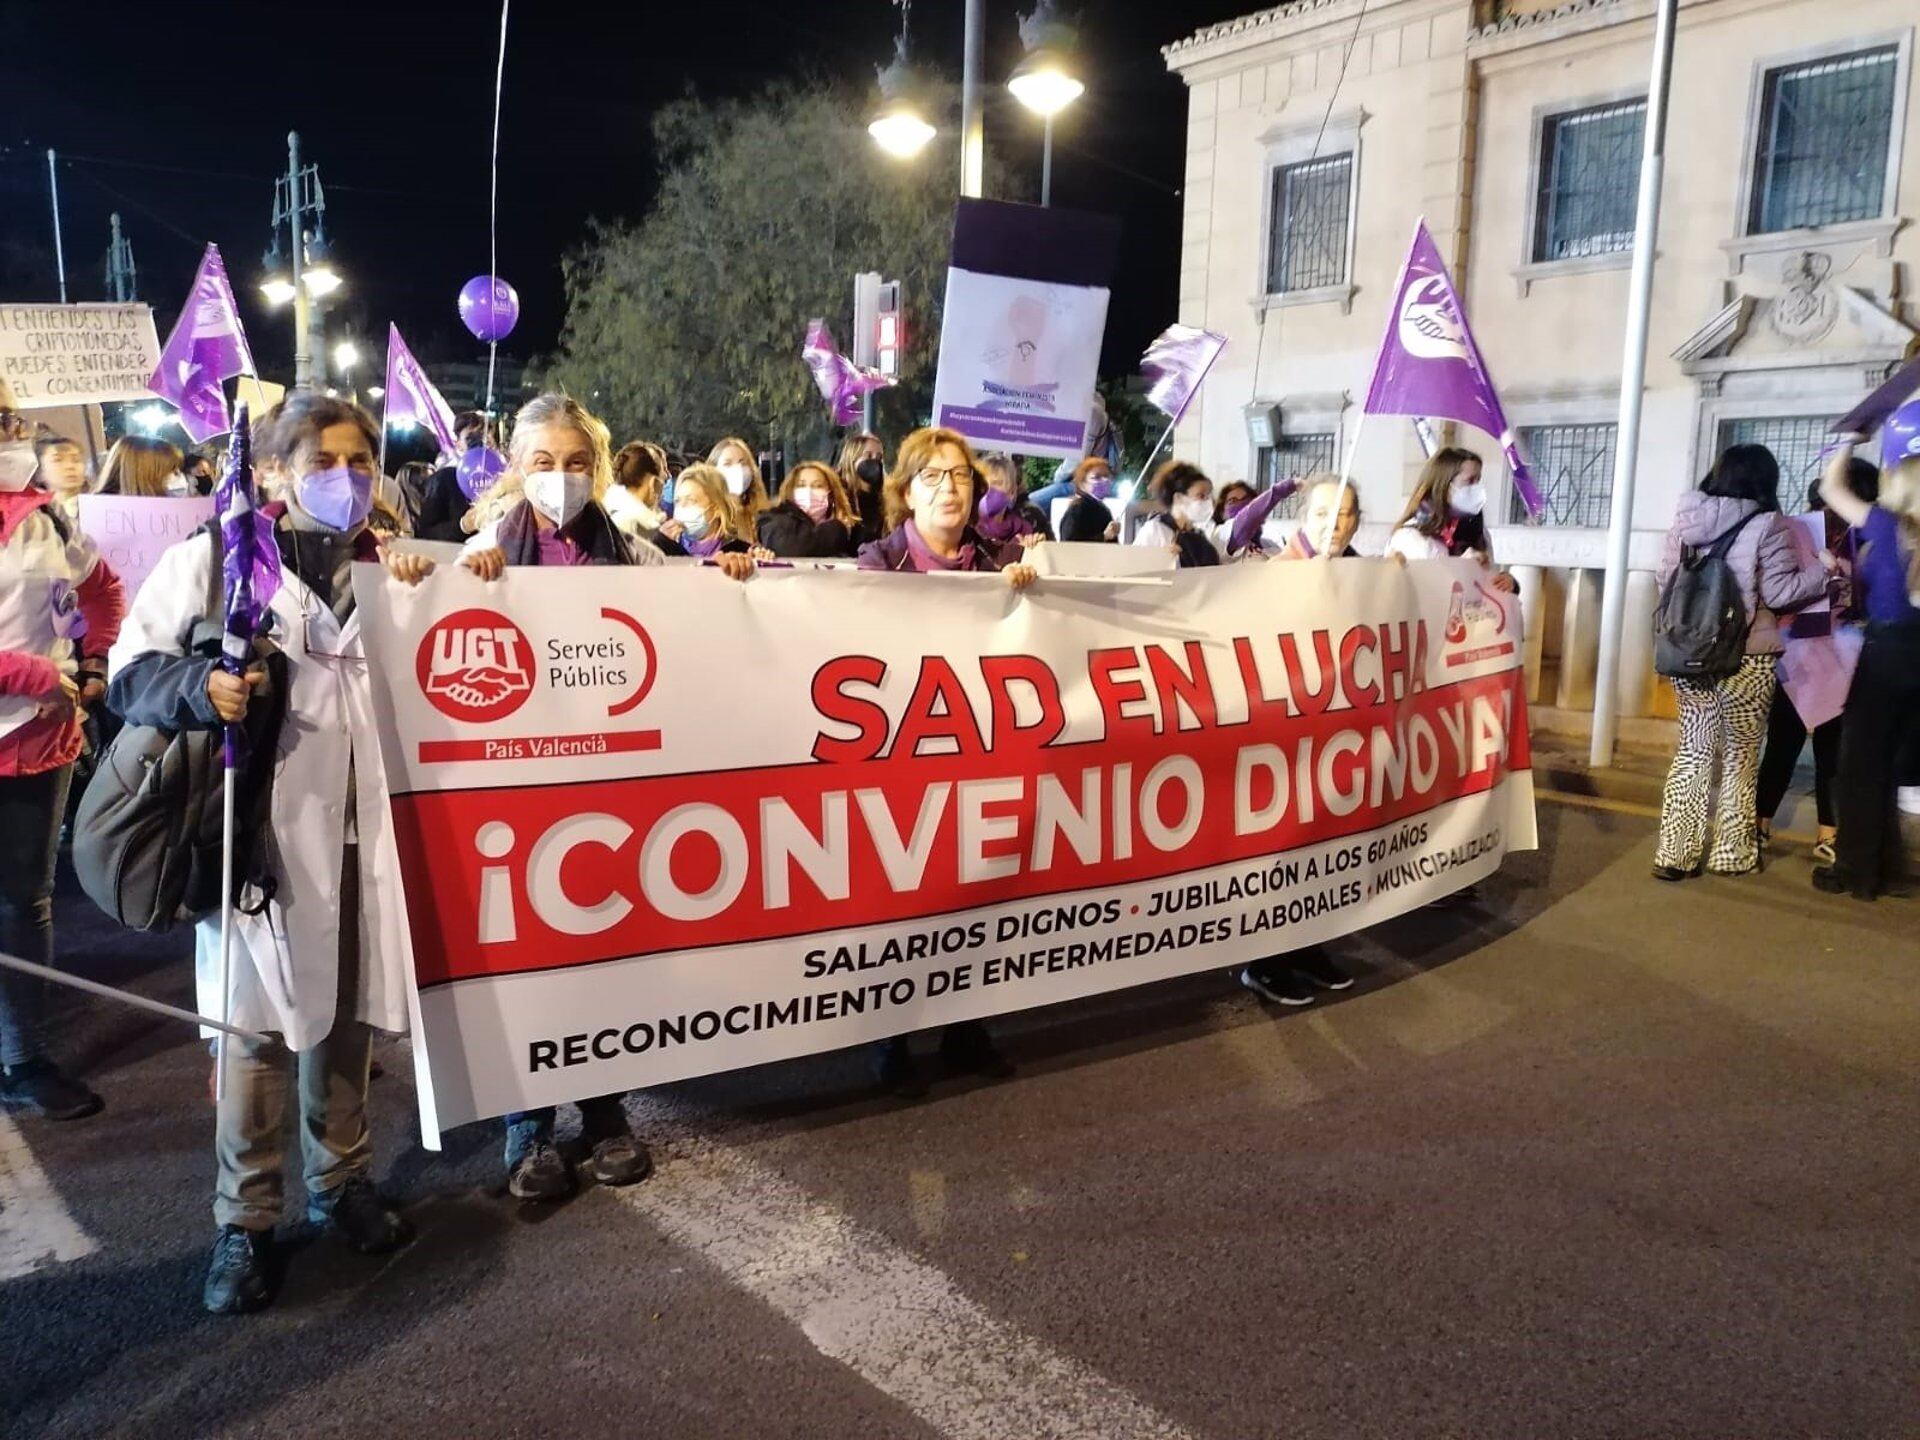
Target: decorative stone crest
x: 1805, y: 310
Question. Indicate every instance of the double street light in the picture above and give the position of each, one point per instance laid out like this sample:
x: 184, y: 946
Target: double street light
x: 304, y: 272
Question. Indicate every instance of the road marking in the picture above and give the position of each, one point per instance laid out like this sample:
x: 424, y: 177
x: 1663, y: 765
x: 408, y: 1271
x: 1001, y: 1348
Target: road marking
x: 35, y: 1225
x: 896, y: 1322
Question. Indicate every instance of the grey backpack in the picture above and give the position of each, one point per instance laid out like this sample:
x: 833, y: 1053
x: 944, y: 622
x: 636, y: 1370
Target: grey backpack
x: 1700, y: 625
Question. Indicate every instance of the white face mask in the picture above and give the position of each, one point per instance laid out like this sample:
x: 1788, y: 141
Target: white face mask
x: 692, y: 519
x: 178, y: 484
x: 17, y: 464
x: 738, y: 479
x: 558, y: 494
x: 1193, y: 509
x: 813, y: 500
x: 1468, y: 499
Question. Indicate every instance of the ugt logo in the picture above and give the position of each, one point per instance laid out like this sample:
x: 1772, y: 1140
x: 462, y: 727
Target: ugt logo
x: 475, y: 665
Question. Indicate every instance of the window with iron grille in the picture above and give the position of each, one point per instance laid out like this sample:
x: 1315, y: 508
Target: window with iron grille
x: 1573, y: 467
x: 1589, y: 181
x: 1796, y: 442
x: 1308, y: 244
x: 1295, y: 457
x: 1824, y: 131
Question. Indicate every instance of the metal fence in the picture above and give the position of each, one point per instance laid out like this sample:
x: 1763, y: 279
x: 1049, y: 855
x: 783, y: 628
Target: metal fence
x: 1309, y: 244
x: 1589, y: 181
x: 1294, y: 456
x: 1573, y: 466
x: 1796, y: 442
x: 1824, y: 131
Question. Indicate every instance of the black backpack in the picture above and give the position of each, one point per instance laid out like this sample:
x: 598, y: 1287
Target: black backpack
x: 1700, y: 625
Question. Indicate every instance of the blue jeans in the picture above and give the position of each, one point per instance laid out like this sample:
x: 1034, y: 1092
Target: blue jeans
x: 1047, y: 494
x: 601, y: 1118
x: 31, y: 809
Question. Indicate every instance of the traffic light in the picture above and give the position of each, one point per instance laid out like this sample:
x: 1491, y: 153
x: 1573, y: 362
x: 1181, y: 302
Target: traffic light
x: 889, y: 334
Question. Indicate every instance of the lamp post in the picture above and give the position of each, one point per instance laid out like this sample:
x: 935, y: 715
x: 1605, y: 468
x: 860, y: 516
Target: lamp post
x: 900, y: 126
x: 1044, y: 81
x: 309, y: 275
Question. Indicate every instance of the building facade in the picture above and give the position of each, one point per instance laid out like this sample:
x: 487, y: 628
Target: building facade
x: 1319, y: 132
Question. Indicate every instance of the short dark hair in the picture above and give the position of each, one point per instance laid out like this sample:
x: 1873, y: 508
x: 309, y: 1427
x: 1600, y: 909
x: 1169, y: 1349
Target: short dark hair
x: 1745, y: 472
x: 468, y: 420
x: 1174, y: 478
x: 47, y: 442
x: 1863, y: 479
x: 302, y: 416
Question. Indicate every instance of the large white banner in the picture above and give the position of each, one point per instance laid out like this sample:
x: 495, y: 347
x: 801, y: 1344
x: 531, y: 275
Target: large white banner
x: 655, y: 823
x: 77, y: 354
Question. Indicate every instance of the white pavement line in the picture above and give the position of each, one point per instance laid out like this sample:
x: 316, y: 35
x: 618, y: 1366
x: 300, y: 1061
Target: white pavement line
x: 35, y: 1226
x: 898, y: 1323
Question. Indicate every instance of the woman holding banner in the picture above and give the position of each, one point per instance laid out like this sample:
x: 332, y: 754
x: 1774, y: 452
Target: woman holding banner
x: 1446, y: 514
x: 814, y: 517
x: 1182, y: 518
x: 319, y: 950
x: 931, y: 499
x: 863, y: 470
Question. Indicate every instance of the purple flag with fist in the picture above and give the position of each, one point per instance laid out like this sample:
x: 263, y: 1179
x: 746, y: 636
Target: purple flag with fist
x: 206, y: 347
x: 1176, y: 363
x: 1430, y: 365
x: 843, y: 384
x: 411, y: 397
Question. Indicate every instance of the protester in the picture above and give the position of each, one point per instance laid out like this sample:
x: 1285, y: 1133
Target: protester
x: 814, y: 516
x: 410, y: 480
x: 1295, y: 978
x: 1181, y: 516
x: 931, y: 499
x: 706, y: 519
x: 319, y: 951
x: 1722, y: 721
x: 863, y: 470
x: 60, y: 609
x: 1446, y: 514
x: 741, y: 473
x: 142, y: 466
x: 197, y: 469
x: 633, y: 499
x: 1088, y: 517
x: 1883, y: 706
x: 1234, y: 497
x: 1005, y: 517
x: 63, y: 471
x: 445, y: 503
x: 1815, y: 668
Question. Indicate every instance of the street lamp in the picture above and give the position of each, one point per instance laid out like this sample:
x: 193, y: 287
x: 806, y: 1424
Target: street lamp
x: 1044, y: 81
x: 346, y: 355
x: 898, y: 126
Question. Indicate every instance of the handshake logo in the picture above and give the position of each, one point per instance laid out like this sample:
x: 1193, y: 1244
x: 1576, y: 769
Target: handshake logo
x: 475, y: 666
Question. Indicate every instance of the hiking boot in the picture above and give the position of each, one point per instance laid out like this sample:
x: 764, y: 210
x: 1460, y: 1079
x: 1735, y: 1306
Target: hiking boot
x: 356, y: 1210
x: 619, y: 1160
x: 37, y: 1087
x: 540, y: 1173
x: 237, y: 1274
x: 896, y: 1071
x: 1278, y: 983
x: 969, y: 1049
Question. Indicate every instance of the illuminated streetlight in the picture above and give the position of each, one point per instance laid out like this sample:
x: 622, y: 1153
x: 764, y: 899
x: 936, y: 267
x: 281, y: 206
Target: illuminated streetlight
x: 1044, y: 81
x: 901, y: 131
x: 1043, y: 85
x: 346, y: 355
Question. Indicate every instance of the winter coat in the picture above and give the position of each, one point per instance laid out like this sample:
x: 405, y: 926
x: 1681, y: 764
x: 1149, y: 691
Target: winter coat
x: 1774, y: 573
x: 791, y: 533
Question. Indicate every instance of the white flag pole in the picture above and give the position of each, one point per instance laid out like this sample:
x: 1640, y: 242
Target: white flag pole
x: 1393, y: 316
x: 125, y: 997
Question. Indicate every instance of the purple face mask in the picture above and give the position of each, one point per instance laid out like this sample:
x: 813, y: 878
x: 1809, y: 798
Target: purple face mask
x: 1101, y: 487
x: 338, y: 498
x: 1234, y: 507
x: 994, y: 504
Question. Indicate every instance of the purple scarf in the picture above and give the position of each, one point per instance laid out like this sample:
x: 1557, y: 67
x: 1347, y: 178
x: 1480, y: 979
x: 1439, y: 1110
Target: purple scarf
x: 925, y: 557
x: 705, y: 546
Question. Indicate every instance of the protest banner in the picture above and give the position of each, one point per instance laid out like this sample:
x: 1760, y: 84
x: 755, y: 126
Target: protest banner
x: 639, y: 847
x: 1020, y: 334
x: 132, y: 531
x: 77, y: 354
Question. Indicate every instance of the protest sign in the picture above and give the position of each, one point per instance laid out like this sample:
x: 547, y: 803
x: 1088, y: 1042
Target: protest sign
x: 132, y: 531
x: 639, y: 846
x: 77, y: 354
x: 1020, y: 334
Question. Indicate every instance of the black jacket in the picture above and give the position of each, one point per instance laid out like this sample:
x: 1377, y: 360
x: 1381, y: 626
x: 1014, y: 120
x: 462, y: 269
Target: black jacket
x: 1086, y: 518
x: 442, y: 507
x: 789, y: 532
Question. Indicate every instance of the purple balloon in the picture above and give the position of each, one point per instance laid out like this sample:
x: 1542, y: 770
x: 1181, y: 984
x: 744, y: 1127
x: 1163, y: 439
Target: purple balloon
x: 478, y: 469
x: 489, y: 307
x: 1900, y: 438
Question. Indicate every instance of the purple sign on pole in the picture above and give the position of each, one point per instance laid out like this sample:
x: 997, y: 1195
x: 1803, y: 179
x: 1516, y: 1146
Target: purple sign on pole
x: 412, y: 398
x: 206, y: 347
x: 1430, y: 364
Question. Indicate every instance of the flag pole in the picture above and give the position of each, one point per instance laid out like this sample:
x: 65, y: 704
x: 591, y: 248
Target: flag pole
x: 1633, y: 380
x: 126, y: 997
x: 1393, y: 312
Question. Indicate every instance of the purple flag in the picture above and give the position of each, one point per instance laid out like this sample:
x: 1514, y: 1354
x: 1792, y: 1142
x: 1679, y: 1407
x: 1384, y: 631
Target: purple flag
x: 842, y: 383
x: 250, y: 564
x: 411, y: 398
x: 206, y: 347
x: 1176, y: 363
x: 1430, y: 365
x: 1248, y: 524
x: 1871, y: 413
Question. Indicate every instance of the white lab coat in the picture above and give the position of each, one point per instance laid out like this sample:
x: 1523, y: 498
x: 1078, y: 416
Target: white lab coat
x: 286, y: 960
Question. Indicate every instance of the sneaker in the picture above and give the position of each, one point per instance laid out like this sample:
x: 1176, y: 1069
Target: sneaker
x: 619, y: 1160
x: 237, y: 1274
x: 969, y: 1049
x: 1823, y: 851
x: 37, y: 1087
x: 896, y: 1071
x: 540, y: 1173
x: 1907, y: 797
x: 1279, y: 983
x: 1319, y: 967
x: 356, y: 1210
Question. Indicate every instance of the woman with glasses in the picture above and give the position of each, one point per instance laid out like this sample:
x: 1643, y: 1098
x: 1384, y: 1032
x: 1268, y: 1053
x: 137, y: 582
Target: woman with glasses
x: 931, y: 499
x: 318, y: 945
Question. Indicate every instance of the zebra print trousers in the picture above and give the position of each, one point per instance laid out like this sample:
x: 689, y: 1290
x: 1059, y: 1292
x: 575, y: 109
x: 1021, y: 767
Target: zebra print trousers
x: 1722, y: 727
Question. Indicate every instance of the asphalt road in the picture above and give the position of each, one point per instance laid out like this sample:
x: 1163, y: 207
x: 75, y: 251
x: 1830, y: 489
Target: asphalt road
x: 1596, y: 1157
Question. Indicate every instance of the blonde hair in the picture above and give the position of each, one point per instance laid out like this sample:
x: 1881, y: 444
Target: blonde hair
x: 839, y: 502
x: 554, y: 408
x: 731, y: 519
x: 852, y: 449
x: 755, y: 500
x: 1900, y: 494
x: 915, y: 451
x: 137, y: 465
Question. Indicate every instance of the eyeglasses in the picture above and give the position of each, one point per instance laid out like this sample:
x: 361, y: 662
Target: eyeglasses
x: 957, y: 479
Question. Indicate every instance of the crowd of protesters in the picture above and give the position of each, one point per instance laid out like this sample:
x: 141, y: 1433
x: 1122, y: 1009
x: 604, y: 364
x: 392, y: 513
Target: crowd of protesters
x: 318, y: 947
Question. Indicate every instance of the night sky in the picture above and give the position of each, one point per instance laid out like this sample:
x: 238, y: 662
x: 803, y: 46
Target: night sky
x: 176, y: 115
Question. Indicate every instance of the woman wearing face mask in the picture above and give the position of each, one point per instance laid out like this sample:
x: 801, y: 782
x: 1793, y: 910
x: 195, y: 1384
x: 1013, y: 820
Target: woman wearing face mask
x: 705, y: 522
x: 1088, y: 517
x: 60, y: 608
x: 863, y: 470
x: 1183, y: 522
x: 1005, y: 516
x: 138, y: 465
x: 319, y: 951
x: 814, y: 516
x: 633, y: 499
x: 741, y: 474
x: 1445, y: 515
x: 1234, y: 497
x: 931, y: 497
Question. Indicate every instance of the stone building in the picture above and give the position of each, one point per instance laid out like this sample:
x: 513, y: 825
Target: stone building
x: 1320, y: 131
